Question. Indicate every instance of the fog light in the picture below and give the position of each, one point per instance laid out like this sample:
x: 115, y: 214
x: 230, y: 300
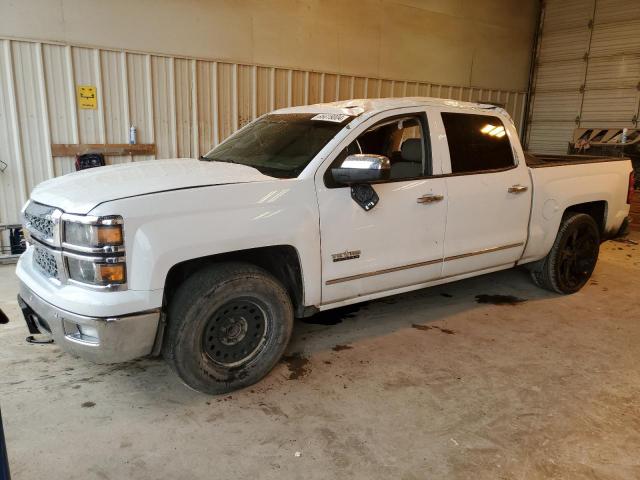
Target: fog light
x: 88, y: 333
x: 80, y: 333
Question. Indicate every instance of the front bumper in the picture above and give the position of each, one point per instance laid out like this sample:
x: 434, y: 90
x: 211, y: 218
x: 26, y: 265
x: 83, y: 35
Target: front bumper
x: 98, y: 339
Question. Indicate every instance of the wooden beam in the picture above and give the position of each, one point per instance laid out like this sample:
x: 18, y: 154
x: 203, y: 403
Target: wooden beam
x: 73, y: 149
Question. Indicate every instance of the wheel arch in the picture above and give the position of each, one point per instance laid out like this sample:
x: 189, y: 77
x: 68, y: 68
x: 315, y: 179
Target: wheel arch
x: 596, y: 210
x: 281, y: 261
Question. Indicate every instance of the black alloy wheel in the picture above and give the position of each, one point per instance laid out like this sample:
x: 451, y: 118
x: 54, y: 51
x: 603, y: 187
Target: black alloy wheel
x: 578, y: 256
x: 573, y: 256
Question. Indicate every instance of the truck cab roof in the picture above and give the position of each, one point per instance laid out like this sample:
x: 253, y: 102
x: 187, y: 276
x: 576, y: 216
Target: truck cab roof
x: 376, y: 105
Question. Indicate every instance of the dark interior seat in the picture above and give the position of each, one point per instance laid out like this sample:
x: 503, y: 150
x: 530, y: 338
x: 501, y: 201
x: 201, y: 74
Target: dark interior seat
x: 410, y: 164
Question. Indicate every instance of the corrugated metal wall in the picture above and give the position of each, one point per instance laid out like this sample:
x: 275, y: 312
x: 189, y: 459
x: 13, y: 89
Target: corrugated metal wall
x: 587, y: 70
x: 183, y: 105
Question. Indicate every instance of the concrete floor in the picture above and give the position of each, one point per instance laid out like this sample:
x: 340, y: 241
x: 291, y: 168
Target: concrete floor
x: 547, y: 388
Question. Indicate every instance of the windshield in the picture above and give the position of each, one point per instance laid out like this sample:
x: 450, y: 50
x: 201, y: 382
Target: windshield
x: 278, y: 145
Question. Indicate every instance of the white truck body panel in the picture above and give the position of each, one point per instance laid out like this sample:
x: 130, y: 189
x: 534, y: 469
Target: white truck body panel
x: 80, y: 192
x: 558, y: 188
x: 180, y: 210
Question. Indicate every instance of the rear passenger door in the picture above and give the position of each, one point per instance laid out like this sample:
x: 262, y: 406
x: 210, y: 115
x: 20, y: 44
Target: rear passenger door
x: 488, y: 191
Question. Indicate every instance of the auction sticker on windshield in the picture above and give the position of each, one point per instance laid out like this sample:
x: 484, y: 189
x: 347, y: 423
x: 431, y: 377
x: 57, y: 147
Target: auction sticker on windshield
x: 331, y: 117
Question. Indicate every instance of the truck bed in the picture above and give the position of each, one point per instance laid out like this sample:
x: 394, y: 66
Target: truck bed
x: 543, y: 160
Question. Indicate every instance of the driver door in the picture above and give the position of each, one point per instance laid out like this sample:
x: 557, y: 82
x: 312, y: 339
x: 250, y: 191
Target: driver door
x: 398, y: 244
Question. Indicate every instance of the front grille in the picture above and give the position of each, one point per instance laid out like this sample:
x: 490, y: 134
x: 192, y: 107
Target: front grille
x: 45, y: 261
x: 38, y: 220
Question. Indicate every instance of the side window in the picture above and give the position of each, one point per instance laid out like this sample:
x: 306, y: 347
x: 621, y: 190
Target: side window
x: 477, y: 142
x: 400, y: 139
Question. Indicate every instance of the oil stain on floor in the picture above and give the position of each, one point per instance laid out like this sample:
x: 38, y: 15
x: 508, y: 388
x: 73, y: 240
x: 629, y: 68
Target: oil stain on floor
x: 339, y: 348
x: 499, y: 299
x: 433, y: 327
x: 297, y: 364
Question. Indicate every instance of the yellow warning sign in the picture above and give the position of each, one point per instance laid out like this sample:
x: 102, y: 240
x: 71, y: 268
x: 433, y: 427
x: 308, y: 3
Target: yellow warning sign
x: 87, y: 97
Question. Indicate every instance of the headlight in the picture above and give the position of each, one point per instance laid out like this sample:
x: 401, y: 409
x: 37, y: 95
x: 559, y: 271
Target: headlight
x: 94, y: 250
x: 93, y: 271
x: 106, y: 232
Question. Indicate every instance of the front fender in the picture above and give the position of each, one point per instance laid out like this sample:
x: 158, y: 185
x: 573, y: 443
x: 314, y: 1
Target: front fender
x: 167, y: 228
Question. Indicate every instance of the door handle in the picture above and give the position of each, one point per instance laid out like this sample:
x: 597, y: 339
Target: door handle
x: 518, y: 188
x: 430, y: 198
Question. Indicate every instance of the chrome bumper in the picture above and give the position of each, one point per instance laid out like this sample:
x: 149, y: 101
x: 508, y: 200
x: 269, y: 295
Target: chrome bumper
x: 100, y: 340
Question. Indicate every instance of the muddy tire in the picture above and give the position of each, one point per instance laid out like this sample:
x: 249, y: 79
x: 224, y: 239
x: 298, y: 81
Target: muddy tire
x: 572, y: 259
x: 228, y: 325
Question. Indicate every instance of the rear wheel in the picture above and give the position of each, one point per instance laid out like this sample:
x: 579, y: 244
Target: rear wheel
x: 572, y: 259
x: 228, y: 325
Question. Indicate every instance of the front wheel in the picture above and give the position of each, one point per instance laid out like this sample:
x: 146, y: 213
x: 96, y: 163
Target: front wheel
x: 572, y: 259
x: 228, y: 325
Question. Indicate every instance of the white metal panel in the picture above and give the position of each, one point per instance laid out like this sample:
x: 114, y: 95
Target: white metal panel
x: 183, y: 84
x: 558, y: 76
x: 32, y: 125
x: 13, y: 187
x: 226, y: 100
x: 613, y: 72
x: 611, y: 107
x: 315, y: 88
x: 164, y: 106
x: 564, y: 45
x: 85, y: 73
x: 605, y: 77
x: 206, y: 105
x: 616, y: 38
x: 547, y: 137
x: 140, y: 101
x: 114, y: 94
x: 608, y: 11
x: 247, y: 95
x: 560, y: 70
x: 60, y: 90
x: 263, y: 86
x: 556, y: 106
x: 562, y: 15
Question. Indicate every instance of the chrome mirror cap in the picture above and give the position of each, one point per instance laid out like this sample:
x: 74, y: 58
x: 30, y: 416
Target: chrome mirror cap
x: 362, y: 169
x: 364, y: 161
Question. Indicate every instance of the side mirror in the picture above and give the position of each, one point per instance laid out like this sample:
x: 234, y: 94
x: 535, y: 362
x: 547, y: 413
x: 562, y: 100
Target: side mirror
x: 362, y: 169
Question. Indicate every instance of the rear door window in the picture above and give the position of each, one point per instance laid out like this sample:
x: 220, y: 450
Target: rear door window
x: 477, y: 143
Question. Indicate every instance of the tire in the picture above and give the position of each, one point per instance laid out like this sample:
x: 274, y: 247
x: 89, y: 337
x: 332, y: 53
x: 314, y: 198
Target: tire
x: 572, y: 259
x: 228, y: 325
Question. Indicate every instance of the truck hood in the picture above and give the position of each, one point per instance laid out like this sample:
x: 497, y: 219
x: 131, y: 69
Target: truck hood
x: 80, y: 192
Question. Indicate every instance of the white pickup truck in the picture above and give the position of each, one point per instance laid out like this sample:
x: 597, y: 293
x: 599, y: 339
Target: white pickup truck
x: 208, y: 261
